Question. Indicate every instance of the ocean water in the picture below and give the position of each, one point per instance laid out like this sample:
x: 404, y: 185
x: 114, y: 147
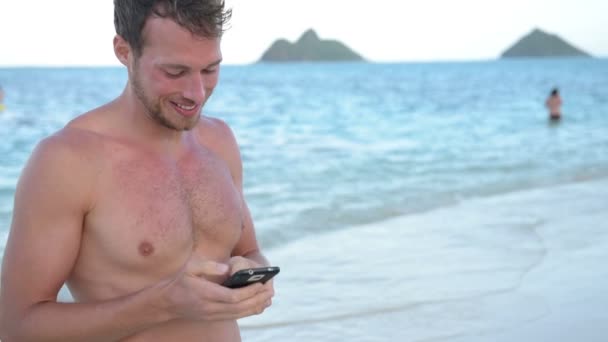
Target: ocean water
x: 418, y: 201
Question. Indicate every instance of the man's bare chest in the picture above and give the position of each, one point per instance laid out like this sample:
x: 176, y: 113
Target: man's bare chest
x: 152, y: 210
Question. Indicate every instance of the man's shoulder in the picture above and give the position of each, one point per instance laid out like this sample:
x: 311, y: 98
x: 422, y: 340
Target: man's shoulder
x: 212, y: 130
x: 71, y: 146
x: 216, y: 135
x: 72, y: 138
x: 212, y: 125
x: 64, y: 166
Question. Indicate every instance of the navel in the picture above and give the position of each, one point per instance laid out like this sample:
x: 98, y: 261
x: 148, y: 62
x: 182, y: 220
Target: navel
x: 146, y: 248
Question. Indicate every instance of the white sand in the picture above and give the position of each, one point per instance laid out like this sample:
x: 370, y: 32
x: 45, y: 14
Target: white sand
x: 526, y: 266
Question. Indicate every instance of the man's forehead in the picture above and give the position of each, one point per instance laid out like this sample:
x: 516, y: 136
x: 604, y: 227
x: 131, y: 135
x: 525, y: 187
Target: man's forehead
x: 161, y: 34
x: 157, y: 28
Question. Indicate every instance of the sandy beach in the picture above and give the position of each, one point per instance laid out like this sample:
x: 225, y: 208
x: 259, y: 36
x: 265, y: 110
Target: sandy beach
x: 528, y: 267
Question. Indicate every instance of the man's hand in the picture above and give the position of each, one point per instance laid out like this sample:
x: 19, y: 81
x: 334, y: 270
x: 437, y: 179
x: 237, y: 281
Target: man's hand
x: 238, y: 263
x: 190, y: 295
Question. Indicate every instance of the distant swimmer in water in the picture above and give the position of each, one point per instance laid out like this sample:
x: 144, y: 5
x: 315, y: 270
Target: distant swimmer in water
x: 554, y: 103
x: 1, y: 99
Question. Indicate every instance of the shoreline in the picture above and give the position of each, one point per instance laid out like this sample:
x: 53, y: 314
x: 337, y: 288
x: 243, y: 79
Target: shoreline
x: 571, y: 180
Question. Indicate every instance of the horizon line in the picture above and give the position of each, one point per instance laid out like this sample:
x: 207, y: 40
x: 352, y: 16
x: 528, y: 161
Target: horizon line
x: 365, y: 61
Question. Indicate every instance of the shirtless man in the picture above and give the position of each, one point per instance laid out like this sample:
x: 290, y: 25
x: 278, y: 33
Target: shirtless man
x: 553, y: 104
x: 137, y: 205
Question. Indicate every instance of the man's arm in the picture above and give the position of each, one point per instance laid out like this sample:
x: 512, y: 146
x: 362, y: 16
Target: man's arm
x: 247, y: 246
x: 52, y: 198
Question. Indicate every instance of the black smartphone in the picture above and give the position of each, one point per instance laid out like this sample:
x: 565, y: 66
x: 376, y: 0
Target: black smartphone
x: 250, y: 276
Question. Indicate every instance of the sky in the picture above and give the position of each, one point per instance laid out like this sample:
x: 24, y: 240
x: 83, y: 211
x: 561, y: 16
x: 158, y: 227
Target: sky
x: 80, y: 32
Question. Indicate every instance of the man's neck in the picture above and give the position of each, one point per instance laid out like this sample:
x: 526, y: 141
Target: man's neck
x: 144, y: 129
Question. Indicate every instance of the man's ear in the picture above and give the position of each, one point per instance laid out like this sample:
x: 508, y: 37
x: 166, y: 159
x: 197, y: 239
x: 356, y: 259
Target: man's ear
x: 122, y: 50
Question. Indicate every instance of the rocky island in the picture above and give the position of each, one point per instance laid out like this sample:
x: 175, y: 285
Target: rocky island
x: 542, y: 44
x: 309, y: 48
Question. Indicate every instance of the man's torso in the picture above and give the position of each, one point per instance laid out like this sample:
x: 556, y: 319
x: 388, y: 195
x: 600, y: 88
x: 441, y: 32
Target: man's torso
x: 150, y: 213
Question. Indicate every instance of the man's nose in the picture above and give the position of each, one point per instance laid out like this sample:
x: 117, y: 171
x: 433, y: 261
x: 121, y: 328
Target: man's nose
x: 195, y: 89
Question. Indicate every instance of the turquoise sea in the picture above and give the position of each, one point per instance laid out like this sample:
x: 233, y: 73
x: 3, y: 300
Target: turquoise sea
x: 403, y: 202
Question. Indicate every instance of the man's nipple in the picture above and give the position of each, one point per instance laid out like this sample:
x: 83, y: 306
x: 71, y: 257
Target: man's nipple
x: 146, y: 248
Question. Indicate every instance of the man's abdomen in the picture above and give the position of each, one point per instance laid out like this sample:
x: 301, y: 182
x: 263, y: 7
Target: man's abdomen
x: 190, y: 331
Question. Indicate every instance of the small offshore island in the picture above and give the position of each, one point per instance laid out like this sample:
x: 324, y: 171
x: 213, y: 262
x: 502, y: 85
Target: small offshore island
x: 309, y: 48
x: 542, y: 44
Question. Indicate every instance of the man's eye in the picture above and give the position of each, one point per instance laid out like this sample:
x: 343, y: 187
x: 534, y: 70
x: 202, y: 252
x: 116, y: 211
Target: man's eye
x: 174, y: 74
x: 209, y: 71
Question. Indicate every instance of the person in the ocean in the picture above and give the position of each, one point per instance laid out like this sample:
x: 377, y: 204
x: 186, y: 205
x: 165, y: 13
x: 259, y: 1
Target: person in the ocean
x: 553, y: 104
x: 1, y: 99
x: 138, y: 205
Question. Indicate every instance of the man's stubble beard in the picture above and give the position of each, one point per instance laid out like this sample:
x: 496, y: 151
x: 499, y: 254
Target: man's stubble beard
x: 153, y: 109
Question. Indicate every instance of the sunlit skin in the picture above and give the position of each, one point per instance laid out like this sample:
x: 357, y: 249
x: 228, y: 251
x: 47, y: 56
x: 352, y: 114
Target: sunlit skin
x: 143, y: 205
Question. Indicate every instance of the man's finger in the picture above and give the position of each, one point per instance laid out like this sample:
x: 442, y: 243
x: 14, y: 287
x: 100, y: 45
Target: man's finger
x: 203, y: 267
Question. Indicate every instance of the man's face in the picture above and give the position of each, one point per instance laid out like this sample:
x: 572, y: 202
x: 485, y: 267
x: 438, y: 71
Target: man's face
x: 175, y: 74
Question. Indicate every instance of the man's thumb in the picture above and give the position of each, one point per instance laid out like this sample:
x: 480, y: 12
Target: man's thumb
x: 203, y: 267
